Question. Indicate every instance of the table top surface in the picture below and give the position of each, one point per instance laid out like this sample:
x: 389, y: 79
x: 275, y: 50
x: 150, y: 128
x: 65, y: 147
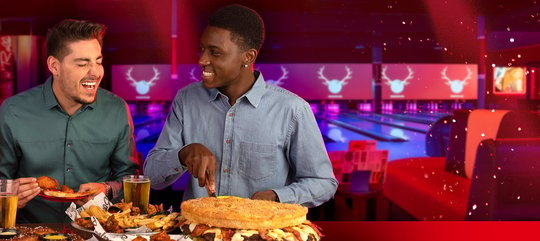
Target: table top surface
x: 401, y: 230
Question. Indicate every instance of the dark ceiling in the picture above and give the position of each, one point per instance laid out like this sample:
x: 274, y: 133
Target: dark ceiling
x: 297, y: 30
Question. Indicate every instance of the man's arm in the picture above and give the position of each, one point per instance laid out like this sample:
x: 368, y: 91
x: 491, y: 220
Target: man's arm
x: 8, y: 156
x: 124, y: 158
x: 314, y: 182
x: 162, y: 164
x: 28, y: 187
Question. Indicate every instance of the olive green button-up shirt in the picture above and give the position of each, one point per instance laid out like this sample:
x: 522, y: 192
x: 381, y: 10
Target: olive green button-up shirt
x: 38, y: 138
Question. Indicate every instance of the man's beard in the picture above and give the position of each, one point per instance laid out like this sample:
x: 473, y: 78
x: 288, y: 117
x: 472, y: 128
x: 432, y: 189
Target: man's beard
x: 84, y: 102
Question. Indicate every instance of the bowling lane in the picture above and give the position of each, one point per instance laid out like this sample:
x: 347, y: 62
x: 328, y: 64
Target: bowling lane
x: 390, y: 120
x: 420, y: 117
x: 137, y: 119
x: 376, y: 130
x: 144, y: 132
x: 146, y: 135
x: 142, y: 120
x: 337, y: 134
x: 436, y: 114
x: 415, y: 147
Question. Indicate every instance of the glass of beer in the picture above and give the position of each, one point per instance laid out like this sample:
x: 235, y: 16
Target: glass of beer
x: 8, y: 202
x: 137, y: 191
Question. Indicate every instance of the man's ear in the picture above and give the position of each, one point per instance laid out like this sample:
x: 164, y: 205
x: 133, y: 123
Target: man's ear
x: 53, y: 65
x: 250, y: 56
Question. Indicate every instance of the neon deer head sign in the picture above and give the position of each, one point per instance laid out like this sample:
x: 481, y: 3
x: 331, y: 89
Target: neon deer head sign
x: 279, y: 81
x: 397, y: 86
x: 334, y: 85
x: 192, y: 75
x: 456, y: 85
x: 142, y: 86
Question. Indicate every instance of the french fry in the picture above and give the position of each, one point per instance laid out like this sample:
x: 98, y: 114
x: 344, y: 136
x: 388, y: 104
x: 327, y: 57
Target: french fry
x: 126, y: 222
x: 146, y: 221
x: 170, y: 224
x: 84, y: 214
x: 99, y: 213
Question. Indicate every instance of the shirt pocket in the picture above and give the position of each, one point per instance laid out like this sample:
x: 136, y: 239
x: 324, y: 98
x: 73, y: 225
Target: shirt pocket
x: 257, y: 160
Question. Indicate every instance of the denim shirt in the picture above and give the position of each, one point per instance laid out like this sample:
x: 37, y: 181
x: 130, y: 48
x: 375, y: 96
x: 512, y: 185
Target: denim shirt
x: 268, y: 139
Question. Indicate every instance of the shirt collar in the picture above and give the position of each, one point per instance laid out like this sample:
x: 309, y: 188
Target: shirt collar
x: 48, y: 95
x: 253, y: 95
x: 213, y: 93
x: 50, y: 99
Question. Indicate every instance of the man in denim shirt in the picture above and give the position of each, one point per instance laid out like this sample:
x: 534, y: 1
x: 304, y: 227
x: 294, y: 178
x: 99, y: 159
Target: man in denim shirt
x: 234, y: 133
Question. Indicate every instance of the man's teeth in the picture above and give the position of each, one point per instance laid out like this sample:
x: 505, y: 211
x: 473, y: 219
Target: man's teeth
x: 89, y: 85
x: 204, y: 73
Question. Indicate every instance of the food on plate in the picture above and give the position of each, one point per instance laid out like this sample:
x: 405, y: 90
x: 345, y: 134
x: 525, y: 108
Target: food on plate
x: 49, y: 187
x: 61, y: 194
x: 162, y: 236
x: 152, y: 209
x: 234, y: 218
x: 120, y: 217
x: 112, y: 225
x: 85, y: 223
x: 46, y: 182
x: 67, y: 189
x: 100, y: 214
x: 139, y: 238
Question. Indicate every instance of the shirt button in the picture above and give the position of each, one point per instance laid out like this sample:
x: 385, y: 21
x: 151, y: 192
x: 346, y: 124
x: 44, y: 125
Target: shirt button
x: 69, y: 145
x: 228, y: 141
x: 69, y: 169
x: 225, y: 170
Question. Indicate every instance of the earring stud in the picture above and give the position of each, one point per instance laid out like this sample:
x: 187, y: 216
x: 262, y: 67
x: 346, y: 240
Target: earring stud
x: 245, y: 65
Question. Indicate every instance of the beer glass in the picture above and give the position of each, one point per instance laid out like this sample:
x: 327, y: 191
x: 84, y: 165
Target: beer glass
x: 137, y: 191
x: 8, y: 202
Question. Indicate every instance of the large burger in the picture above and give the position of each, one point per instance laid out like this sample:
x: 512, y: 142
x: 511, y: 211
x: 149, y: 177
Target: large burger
x: 238, y: 219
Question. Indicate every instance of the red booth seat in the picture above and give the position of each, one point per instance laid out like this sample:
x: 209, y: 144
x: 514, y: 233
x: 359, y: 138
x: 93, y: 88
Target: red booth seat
x: 438, y: 188
x: 506, y: 184
x: 424, y: 189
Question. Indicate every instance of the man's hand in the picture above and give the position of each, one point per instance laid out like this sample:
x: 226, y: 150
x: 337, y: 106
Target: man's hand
x: 201, y: 163
x: 28, y: 189
x: 265, y: 195
x: 91, y: 186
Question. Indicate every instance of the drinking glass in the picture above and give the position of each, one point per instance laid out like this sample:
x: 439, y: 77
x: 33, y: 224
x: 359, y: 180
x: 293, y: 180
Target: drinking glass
x: 8, y: 202
x: 137, y: 191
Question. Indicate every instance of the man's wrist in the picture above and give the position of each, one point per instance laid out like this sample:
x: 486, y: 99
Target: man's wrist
x: 277, y: 197
x: 180, y: 160
x: 108, y: 191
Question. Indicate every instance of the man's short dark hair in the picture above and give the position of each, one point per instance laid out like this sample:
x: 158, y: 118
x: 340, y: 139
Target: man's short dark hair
x: 246, y: 25
x: 70, y: 30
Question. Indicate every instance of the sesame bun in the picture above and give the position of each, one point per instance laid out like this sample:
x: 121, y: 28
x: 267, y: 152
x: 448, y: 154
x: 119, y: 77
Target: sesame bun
x: 243, y: 213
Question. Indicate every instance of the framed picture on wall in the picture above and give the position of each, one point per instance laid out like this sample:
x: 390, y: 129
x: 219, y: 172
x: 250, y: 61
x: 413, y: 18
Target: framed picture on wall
x: 509, y: 80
